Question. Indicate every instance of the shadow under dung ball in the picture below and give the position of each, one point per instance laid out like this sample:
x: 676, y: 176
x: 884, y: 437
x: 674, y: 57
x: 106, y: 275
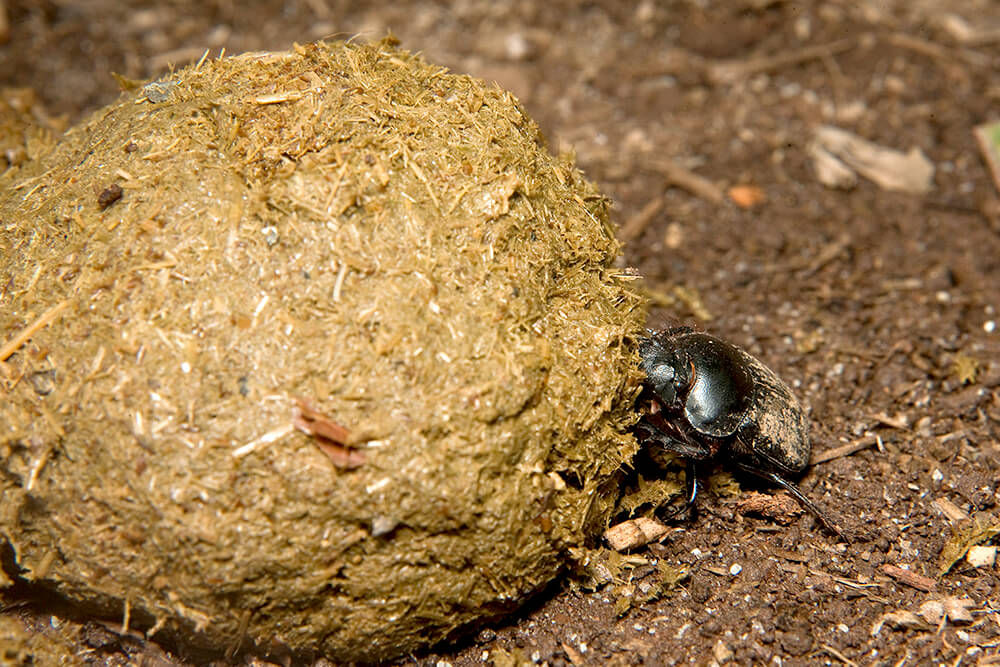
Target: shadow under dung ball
x: 339, y: 233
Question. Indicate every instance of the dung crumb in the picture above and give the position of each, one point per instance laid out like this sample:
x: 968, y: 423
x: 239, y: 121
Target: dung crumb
x: 109, y: 196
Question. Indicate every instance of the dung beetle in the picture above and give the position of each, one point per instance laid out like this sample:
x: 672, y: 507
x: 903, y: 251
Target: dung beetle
x: 705, y: 397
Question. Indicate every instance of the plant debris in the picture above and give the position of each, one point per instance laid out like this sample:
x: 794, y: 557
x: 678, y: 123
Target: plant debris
x: 910, y: 578
x: 635, y: 533
x: 888, y: 168
x: 966, y: 534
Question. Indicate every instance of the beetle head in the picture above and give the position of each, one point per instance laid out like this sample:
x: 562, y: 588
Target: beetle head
x: 668, y: 370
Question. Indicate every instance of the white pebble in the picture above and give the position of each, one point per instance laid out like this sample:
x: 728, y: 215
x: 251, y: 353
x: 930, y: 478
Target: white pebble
x: 980, y: 556
x: 735, y: 569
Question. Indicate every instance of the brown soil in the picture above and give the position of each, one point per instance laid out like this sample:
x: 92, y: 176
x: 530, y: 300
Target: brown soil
x: 878, y: 307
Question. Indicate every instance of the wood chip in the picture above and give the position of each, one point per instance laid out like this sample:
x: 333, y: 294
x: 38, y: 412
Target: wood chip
x: 982, y: 556
x: 918, y: 581
x: 953, y: 512
x: 899, y: 619
x: 634, y: 533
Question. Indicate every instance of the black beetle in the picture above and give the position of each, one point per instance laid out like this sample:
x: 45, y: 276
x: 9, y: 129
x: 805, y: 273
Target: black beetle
x: 706, y: 397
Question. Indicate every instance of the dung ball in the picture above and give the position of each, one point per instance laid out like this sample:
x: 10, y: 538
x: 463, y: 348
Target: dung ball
x: 320, y: 352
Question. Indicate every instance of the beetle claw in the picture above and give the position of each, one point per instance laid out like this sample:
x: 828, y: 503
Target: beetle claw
x: 691, y: 490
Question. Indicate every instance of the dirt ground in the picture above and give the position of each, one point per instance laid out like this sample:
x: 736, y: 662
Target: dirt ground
x: 878, y: 306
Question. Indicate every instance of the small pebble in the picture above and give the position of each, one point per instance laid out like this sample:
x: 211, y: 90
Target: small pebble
x: 735, y: 569
x: 980, y: 556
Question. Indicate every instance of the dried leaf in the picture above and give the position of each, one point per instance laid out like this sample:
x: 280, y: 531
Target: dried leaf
x: 965, y: 535
x: 898, y: 619
x: 888, y: 168
x: 965, y: 368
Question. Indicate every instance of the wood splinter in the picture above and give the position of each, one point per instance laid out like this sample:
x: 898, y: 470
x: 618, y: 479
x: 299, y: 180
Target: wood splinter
x: 330, y: 437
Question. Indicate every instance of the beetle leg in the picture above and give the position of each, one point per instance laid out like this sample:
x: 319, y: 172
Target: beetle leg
x: 799, y: 496
x: 691, y: 488
x: 687, y: 447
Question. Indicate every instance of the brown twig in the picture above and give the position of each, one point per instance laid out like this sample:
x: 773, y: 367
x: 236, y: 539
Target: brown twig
x: 729, y: 71
x: 936, y: 51
x: 690, y: 181
x: 838, y: 655
x: 827, y: 254
x: 918, y: 581
x: 844, y: 450
x: 635, y: 225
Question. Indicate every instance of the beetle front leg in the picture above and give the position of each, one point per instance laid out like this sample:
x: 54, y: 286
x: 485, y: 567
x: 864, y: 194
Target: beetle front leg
x: 692, y: 451
x: 691, y: 489
x: 676, y: 441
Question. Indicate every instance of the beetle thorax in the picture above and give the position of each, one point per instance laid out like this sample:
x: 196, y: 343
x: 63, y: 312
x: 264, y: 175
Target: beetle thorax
x: 720, y: 391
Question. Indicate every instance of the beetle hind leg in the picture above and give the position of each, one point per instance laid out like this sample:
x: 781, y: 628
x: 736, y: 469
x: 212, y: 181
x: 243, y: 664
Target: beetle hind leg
x: 801, y: 498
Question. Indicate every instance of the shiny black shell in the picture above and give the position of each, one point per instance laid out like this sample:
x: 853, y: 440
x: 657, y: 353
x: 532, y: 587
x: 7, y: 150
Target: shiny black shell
x: 727, y: 398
